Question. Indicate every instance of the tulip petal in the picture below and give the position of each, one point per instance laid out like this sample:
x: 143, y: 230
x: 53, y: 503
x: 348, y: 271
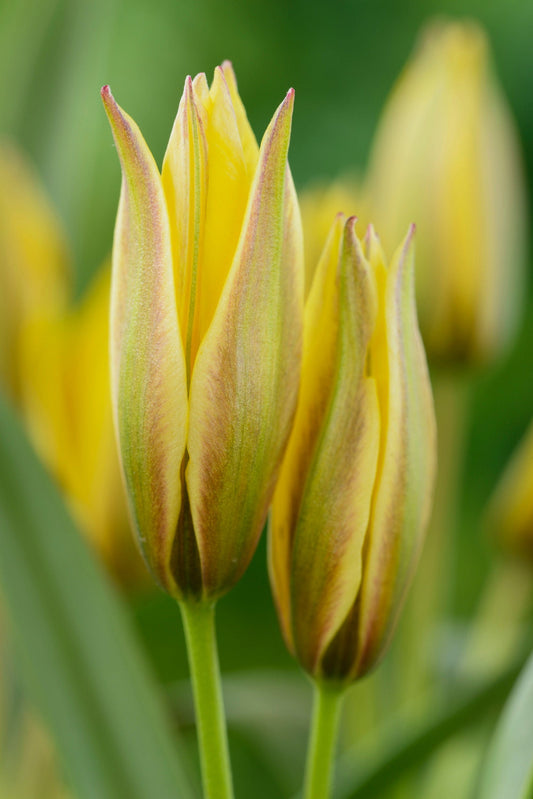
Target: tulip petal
x: 406, y: 466
x: 287, y: 496
x: 333, y: 450
x: 184, y: 177
x: 230, y: 180
x: 249, y: 143
x: 148, y: 371
x: 245, y: 381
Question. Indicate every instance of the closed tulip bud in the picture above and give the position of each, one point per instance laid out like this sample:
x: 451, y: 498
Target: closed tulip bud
x: 353, y: 496
x: 446, y: 155
x: 206, y: 322
x: 34, y: 274
x: 510, y: 512
x: 66, y: 403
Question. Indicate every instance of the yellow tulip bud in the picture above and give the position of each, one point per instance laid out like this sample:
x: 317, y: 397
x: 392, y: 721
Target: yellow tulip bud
x: 34, y: 275
x: 206, y: 326
x: 66, y: 401
x: 319, y: 203
x: 446, y: 156
x: 353, y: 496
x: 510, y: 512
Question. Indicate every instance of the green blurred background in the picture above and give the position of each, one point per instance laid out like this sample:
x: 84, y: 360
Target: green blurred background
x: 342, y: 58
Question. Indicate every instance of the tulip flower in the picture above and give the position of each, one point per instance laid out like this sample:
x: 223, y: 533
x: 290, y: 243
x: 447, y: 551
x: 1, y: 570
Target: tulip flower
x: 205, y: 332
x: 354, y: 492
x: 66, y: 405
x: 446, y: 155
x: 34, y: 275
x: 319, y: 203
x: 510, y: 512
x: 206, y: 327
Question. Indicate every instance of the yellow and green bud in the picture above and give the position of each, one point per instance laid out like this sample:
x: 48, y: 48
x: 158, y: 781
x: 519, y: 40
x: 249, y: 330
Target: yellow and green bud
x: 446, y: 155
x: 206, y: 327
x: 354, y: 492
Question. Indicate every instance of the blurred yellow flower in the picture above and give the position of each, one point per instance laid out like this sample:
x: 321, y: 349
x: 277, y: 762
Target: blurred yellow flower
x: 446, y: 156
x: 207, y: 305
x: 319, y: 204
x: 353, y: 496
x: 66, y: 401
x: 34, y: 274
x: 54, y: 362
x: 510, y: 512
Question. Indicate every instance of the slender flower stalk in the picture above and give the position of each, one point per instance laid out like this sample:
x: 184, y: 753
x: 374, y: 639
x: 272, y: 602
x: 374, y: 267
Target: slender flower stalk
x: 199, y: 625
x: 324, y: 732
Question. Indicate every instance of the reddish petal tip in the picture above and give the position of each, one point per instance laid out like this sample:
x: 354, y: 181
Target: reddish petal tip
x: 105, y: 92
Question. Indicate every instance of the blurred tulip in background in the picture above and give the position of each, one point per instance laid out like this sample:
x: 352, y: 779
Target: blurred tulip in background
x: 446, y: 155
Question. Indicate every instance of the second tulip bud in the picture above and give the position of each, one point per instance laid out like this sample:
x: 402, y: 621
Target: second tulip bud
x: 354, y: 492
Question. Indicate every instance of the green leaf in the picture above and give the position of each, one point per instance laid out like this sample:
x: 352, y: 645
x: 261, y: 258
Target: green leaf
x: 411, y: 745
x: 76, y: 647
x: 508, y: 767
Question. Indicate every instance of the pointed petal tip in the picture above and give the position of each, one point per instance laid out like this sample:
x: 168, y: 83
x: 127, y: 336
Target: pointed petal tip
x: 409, y: 239
x: 113, y: 110
x: 349, y: 228
x: 286, y: 106
x: 188, y: 87
x: 107, y: 98
x: 227, y: 70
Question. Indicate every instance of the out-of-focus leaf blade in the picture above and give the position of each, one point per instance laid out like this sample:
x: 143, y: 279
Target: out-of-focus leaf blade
x: 76, y: 647
x: 508, y: 767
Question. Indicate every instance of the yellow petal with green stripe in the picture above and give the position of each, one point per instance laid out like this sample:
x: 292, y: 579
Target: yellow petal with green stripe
x: 406, y: 465
x: 322, y: 501
x: 245, y: 380
x: 147, y: 360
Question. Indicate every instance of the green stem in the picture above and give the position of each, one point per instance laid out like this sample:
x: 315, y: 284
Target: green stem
x: 199, y: 624
x: 324, y: 730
